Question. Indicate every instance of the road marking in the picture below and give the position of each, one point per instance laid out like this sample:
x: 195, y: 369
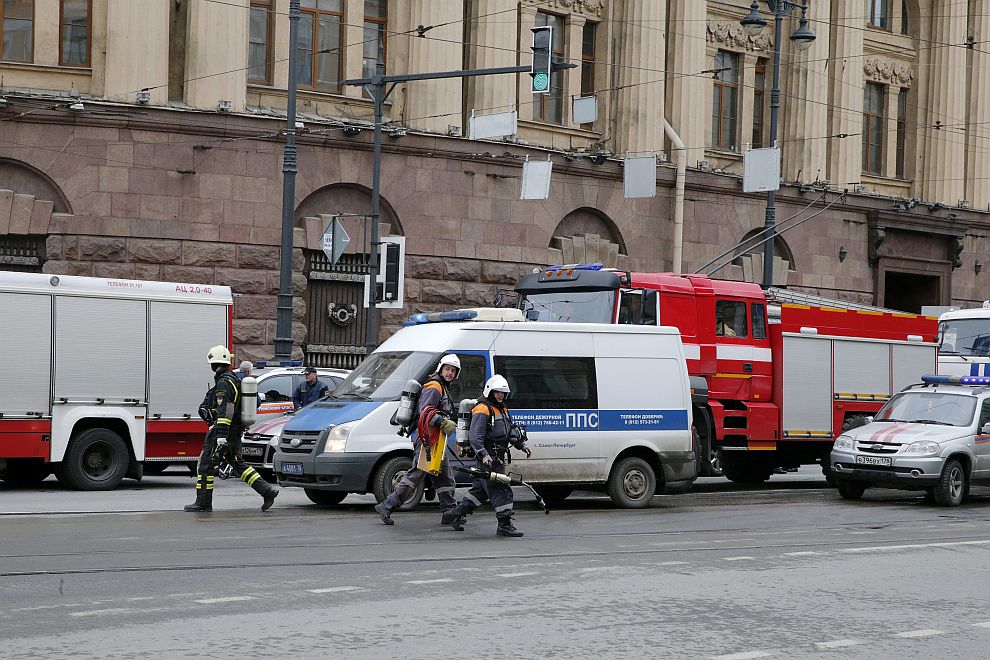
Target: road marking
x: 228, y: 599
x: 429, y: 581
x: 745, y: 655
x: 115, y: 610
x: 669, y: 563
x: 333, y: 590
x: 803, y: 553
x: 839, y: 643
x: 514, y: 575
x: 738, y: 558
x: 927, y: 632
x: 914, y: 546
x: 982, y: 624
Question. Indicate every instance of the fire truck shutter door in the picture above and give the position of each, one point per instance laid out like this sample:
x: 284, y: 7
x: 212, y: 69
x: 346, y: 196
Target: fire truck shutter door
x: 807, y: 384
x: 910, y: 362
x: 27, y: 339
x: 862, y: 367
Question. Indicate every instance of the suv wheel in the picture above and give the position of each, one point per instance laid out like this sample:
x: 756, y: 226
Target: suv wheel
x: 850, y: 490
x: 952, y: 484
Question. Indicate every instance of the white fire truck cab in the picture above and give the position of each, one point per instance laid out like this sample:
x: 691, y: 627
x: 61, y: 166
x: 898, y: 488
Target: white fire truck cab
x: 102, y: 376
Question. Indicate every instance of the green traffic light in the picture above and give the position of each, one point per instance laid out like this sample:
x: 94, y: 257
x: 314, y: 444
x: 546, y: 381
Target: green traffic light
x: 541, y: 82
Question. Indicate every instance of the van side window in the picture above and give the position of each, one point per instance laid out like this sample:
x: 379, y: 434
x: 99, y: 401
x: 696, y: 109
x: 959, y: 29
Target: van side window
x: 984, y: 415
x: 471, y: 380
x: 759, y: 321
x: 549, y: 383
x: 730, y: 318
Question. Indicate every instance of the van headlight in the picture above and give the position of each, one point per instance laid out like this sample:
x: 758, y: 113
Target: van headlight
x: 923, y: 448
x: 844, y: 443
x: 337, y: 438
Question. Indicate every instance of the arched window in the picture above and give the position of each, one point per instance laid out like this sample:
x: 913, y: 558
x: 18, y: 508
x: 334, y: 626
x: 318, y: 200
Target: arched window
x: 345, y: 198
x: 587, y: 235
x: 751, y: 244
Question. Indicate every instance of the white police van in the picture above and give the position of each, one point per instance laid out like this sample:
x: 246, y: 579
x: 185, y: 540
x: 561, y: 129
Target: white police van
x: 606, y: 406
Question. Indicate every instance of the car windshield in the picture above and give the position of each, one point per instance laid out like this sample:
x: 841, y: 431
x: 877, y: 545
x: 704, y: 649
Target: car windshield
x: 966, y: 337
x: 382, y: 376
x: 570, y: 306
x: 930, y: 408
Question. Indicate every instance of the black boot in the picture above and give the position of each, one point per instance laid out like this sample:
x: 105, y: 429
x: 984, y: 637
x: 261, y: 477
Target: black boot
x: 204, y: 496
x: 506, y: 528
x: 384, y: 512
x: 269, y: 492
x: 457, y: 516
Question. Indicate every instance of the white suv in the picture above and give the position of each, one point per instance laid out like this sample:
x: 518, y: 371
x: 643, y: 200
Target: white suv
x: 933, y: 437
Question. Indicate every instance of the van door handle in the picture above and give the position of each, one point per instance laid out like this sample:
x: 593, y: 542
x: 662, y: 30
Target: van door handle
x: 748, y: 368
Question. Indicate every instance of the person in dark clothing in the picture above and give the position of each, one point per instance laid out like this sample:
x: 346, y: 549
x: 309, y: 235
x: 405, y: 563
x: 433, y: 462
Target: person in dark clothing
x: 222, y: 410
x: 309, y: 390
x: 490, y: 437
x: 434, y: 400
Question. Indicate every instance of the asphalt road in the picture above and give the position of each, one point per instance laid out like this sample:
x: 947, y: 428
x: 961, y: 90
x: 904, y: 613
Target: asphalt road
x: 788, y: 571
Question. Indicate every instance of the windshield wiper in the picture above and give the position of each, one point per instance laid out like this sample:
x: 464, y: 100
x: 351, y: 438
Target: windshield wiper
x: 931, y: 421
x: 953, y: 353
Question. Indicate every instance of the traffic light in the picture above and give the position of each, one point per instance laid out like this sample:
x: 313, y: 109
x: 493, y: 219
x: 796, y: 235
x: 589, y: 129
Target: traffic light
x: 542, y: 59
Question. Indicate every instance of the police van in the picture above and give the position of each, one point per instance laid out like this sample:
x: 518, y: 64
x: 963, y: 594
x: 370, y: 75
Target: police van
x: 605, y: 406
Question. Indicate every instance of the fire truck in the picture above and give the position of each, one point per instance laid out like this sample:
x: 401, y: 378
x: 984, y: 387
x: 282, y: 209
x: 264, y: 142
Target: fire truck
x: 102, y: 377
x: 774, y: 381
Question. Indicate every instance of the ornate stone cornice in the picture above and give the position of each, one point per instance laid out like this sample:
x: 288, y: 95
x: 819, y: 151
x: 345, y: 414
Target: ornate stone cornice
x: 734, y: 36
x: 592, y: 8
x: 882, y: 70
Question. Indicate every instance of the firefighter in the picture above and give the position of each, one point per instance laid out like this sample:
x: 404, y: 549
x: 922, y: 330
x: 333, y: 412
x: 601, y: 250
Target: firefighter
x: 492, y: 431
x: 434, y: 401
x: 222, y: 447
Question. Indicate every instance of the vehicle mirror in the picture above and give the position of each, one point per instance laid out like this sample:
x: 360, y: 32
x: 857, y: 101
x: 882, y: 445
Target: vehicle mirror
x: 986, y: 428
x: 261, y: 396
x: 869, y: 419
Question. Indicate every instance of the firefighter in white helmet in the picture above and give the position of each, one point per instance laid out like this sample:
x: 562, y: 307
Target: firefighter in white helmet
x: 434, y: 410
x: 222, y: 410
x: 492, y: 431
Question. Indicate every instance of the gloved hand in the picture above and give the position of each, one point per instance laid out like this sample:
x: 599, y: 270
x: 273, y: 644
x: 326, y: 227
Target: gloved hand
x: 221, y: 442
x: 528, y: 451
x: 448, y: 427
x: 487, y: 460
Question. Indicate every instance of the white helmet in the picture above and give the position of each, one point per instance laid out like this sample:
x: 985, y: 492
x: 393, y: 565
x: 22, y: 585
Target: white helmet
x: 496, y: 384
x: 218, y: 355
x: 452, y: 360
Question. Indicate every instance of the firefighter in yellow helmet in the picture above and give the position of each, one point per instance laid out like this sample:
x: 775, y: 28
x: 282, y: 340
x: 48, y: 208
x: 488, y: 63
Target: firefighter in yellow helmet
x: 221, y: 409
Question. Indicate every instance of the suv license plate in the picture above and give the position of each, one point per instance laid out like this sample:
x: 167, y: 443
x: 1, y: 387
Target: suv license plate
x: 292, y: 468
x: 873, y: 460
x: 252, y: 451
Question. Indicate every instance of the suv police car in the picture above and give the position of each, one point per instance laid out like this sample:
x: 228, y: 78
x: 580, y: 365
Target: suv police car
x: 933, y: 437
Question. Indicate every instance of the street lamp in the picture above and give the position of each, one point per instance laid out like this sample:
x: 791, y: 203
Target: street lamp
x: 802, y: 39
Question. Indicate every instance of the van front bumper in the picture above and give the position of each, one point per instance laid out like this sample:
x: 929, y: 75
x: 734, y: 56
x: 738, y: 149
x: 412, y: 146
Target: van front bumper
x: 904, y: 473
x: 348, y: 472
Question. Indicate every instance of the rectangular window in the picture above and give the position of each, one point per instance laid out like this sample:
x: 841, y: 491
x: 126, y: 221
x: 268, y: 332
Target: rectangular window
x: 549, y: 383
x: 17, y: 25
x: 319, y: 51
x: 759, y: 313
x: 901, y: 131
x: 873, y: 128
x: 759, y: 101
x: 259, y: 42
x: 730, y: 318
x: 375, y: 28
x: 471, y: 378
x: 550, y: 107
x: 74, y: 41
x: 588, y: 35
x: 725, y: 102
x: 879, y: 13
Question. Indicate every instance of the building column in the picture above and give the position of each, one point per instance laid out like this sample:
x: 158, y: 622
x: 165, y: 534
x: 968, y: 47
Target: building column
x: 845, y: 90
x: 498, y: 31
x: 640, y: 98
x: 216, y: 53
x: 439, y: 50
x: 977, y: 188
x: 686, y: 89
x: 945, y: 155
x: 352, y: 41
x: 137, y: 50
x: 804, y: 100
x: 572, y: 83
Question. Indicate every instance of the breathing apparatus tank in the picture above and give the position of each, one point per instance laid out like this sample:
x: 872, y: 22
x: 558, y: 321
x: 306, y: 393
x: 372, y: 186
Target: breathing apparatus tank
x: 464, y: 421
x: 405, y: 414
x: 249, y: 400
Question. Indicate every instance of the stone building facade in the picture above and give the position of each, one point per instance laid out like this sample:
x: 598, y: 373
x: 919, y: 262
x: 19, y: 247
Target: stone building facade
x: 160, y: 157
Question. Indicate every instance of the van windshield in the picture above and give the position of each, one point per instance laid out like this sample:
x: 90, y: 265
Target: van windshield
x: 570, y: 306
x: 966, y: 337
x: 929, y: 408
x: 382, y: 376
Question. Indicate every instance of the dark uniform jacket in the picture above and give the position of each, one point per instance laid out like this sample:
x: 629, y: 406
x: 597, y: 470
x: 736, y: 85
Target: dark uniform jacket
x: 306, y: 394
x: 226, y: 404
x: 490, y: 429
x: 435, y: 395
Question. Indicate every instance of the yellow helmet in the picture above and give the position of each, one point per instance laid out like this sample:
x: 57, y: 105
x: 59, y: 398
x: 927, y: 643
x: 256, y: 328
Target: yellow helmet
x: 218, y: 355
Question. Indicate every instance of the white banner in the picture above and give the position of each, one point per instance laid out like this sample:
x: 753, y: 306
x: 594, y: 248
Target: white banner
x: 640, y: 177
x: 490, y: 126
x: 585, y: 110
x: 761, y: 170
x: 536, y: 179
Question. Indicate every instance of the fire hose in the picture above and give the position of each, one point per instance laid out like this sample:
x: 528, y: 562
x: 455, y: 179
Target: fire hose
x: 507, y: 479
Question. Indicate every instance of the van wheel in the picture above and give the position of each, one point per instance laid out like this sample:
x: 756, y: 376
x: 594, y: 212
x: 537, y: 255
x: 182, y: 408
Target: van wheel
x: 632, y: 483
x: 952, y: 484
x: 25, y: 473
x: 97, y: 459
x: 325, y: 497
x: 850, y: 490
x: 387, y: 478
x: 554, y: 495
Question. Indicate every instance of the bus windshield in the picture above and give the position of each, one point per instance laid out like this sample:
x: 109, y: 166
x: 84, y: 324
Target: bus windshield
x: 570, y: 306
x: 966, y: 337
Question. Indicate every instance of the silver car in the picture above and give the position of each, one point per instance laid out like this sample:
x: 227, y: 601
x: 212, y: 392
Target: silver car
x: 933, y: 437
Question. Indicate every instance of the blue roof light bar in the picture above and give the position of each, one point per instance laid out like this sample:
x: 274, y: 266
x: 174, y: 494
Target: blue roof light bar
x: 943, y: 379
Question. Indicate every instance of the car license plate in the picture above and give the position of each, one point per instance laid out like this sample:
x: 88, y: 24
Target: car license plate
x: 252, y: 451
x: 873, y: 460
x: 292, y: 468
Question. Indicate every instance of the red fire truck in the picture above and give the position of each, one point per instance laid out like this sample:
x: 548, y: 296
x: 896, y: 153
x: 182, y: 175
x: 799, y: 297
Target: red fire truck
x: 773, y: 382
x: 103, y: 377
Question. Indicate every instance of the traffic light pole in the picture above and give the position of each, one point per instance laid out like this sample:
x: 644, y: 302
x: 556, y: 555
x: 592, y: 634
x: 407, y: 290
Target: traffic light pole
x: 381, y: 87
